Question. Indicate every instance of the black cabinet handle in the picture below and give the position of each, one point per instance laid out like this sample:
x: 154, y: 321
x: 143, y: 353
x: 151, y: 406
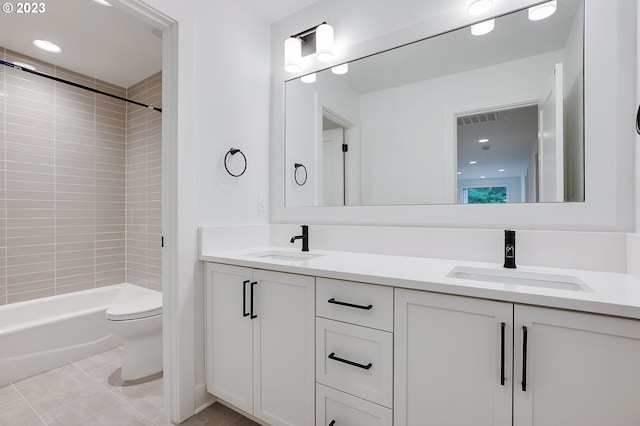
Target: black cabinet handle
x: 524, y: 359
x: 333, y: 422
x: 502, y: 354
x: 252, y: 315
x: 333, y: 356
x: 335, y: 302
x: 244, y: 298
x: 638, y: 121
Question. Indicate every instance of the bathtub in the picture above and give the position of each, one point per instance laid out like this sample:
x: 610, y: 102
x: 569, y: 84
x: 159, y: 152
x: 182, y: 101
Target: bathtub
x: 42, y: 334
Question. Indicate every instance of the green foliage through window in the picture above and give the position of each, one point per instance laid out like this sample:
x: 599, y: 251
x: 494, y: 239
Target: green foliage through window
x: 487, y: 195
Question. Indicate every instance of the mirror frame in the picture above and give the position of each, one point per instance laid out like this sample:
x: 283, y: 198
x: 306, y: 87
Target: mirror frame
x: 609, y: 137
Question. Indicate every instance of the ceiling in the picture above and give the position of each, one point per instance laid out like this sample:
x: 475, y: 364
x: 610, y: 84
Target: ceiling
x: 97, y: 41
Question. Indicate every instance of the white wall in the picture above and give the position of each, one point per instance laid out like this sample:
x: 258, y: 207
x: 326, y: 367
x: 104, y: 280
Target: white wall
x: 404, y: 155
x: 223, y: 89
x: 609, y: 72
x: 304, y: 131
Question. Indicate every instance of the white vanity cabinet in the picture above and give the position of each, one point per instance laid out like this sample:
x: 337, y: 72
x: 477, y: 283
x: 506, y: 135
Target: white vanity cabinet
x: 354, y: 353
x: 459, y: 361
x: 452, y: 364
x: 581, y: 369
x: 260, y: 342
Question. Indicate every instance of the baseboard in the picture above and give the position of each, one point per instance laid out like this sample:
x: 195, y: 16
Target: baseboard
x: 203, y: 398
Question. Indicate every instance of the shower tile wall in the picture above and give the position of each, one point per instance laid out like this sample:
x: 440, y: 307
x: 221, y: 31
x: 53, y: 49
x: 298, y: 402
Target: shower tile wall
x: 63, y: 184
x: 144, y: 185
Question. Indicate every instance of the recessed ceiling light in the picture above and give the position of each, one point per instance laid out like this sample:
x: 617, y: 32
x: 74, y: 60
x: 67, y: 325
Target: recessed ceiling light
x: 459, y: 173
x: 482, y: 177
x: 47, y: 45
x: 340, y: 69
x: 479, y: 7
x: 25, y: 66
x: 483, y: 28
x: 309, y: 78
x: 542, y: 11
x: 501, y: 170
x: 103, y: 2
x: 483, y: 140
x: 472, y: 162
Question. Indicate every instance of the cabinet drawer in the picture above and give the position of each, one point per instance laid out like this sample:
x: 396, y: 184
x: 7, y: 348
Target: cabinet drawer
x: 345, y: 409
x: 356, y: 360
x: 363, y: 304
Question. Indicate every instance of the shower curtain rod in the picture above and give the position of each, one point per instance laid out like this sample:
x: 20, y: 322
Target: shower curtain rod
x: 80, y: 86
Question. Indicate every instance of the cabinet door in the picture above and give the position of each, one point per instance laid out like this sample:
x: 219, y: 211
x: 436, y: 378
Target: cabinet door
x: 229, y: 331
x: 450, y: 360
x: 581, y: 369
x: 283, y: 342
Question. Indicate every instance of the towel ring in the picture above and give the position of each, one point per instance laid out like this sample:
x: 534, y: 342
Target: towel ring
x: 295, y: 173
x: 234, y: 151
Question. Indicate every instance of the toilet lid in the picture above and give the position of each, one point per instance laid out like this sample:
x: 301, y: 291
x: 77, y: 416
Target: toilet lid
x: 136, y: 308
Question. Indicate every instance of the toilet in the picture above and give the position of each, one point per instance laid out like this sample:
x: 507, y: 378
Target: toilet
x: 138, y: 321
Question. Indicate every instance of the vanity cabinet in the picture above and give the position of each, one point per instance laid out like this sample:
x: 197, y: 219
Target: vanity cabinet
x: 462, y: 361
x: 354, y: 353
x: 260, y: 342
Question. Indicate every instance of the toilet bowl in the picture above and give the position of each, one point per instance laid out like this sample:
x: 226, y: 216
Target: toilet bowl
x: 138, y: 322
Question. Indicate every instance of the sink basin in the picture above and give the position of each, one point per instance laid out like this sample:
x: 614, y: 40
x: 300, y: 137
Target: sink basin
x: 288, y: 256
x: 516, y: 277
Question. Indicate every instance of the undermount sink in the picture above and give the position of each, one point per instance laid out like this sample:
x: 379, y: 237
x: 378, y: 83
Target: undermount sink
x: 516, y: 277
x: 287, y: 256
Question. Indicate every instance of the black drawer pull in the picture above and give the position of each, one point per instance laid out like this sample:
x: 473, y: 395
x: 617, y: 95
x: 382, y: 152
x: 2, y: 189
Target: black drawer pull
x: 244, y: 298
x: 524, y: 359
x: 502, y: 347
x: 333, y: 422
x: 252, y: 315
x: 351, y: 305
x: 333, y: 356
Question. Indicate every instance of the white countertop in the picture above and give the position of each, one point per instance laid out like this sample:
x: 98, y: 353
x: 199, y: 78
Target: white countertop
x: 613, y: 293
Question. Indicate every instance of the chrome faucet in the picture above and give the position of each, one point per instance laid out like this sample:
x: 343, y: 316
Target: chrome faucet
x: 304, y: 237
x: 509, y: 249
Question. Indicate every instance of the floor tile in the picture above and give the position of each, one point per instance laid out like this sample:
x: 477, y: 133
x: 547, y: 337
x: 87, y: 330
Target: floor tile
x: 98, y: 365
x: 214, y: 415
x: 102, y: 408
x: 19, y: 413
x: 8, y: 394
x: 50, y: 390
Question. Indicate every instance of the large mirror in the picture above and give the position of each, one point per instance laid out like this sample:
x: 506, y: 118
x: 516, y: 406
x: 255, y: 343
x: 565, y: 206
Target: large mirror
x: 455, y: 118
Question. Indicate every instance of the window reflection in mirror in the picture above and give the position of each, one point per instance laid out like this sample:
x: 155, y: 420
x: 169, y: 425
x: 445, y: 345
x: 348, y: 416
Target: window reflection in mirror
x: 403, y: 127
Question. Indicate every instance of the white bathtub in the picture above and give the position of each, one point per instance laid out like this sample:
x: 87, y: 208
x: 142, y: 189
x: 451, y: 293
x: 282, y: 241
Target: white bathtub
x: 38, y: 335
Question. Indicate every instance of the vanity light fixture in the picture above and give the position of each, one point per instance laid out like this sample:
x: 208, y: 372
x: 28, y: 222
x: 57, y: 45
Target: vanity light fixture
x: 478, y: 7
x: 318, y: 40
x: 340, y: 69
x: 542, y: 11
x: 309, y: 78
x: 483, y: 28
x: 47, y: 45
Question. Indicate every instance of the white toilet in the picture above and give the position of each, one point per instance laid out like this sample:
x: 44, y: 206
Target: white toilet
x: 138, y: 321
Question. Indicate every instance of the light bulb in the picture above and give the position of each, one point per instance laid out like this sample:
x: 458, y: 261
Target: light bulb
x: 309, y: 78
x: 324, y: 43
x: 479, y: 7
x: 483, y: 28
x: 542, y: 11
x: 292, y: 54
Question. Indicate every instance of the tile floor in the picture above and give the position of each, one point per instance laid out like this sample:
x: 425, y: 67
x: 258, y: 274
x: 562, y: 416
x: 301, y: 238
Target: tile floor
x: 90, y: 392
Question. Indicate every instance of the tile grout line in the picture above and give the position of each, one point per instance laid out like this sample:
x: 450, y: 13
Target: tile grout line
x: 110, y: 391
x: 28, y: 403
